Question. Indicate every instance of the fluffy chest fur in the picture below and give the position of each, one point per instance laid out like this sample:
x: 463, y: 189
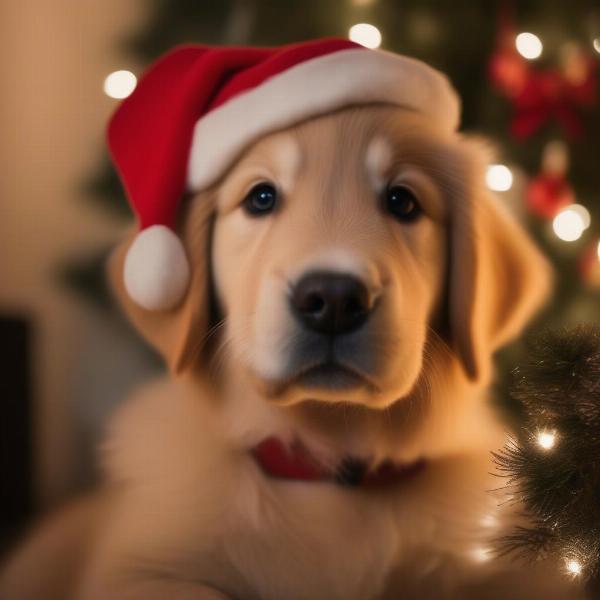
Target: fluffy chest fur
x: 192, y: 504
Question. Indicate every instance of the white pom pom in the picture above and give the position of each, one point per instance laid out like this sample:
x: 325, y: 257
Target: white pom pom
x: 156, y: 271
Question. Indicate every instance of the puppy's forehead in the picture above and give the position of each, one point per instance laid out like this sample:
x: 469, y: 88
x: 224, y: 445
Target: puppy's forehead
x: 281, y: 154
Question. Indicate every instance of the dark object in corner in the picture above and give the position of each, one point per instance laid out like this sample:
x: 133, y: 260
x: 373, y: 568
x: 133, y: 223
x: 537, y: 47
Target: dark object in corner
x: 15, y: 427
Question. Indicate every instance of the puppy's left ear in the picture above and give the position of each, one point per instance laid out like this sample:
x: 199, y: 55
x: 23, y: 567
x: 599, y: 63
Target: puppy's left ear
x: 179, y: 333
x: 498, y: 277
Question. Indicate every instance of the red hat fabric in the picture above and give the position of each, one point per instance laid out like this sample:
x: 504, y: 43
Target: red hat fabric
x: 198, y: 107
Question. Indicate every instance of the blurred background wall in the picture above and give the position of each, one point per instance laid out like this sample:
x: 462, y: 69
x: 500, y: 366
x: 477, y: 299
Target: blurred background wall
x: 53, y: 58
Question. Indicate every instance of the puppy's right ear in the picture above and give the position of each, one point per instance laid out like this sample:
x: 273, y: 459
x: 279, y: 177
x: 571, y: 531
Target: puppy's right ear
x: 179, y: 333
x: 498, y: 276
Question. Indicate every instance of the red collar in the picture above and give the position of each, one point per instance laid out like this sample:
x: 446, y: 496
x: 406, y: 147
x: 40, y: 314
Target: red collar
x: 296, y: 462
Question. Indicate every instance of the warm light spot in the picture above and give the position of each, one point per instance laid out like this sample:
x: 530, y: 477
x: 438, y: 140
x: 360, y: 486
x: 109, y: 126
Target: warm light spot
x: 499, y: 178
x: 120, y: 84
x: 596, y: 44
x: 583, y: 212
x: 529, y: 45
x: 598, y: 251
x: 365, y: 35
x: 574, y: 567
x: 546, y: 439
x: 489, y: 521
x: 568, y: 225
x: 481, y: 554
x: 362, y: 2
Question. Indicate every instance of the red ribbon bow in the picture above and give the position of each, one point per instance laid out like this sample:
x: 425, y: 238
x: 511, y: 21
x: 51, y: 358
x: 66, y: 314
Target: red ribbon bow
x: 548, y: 95
x: 542, y: 96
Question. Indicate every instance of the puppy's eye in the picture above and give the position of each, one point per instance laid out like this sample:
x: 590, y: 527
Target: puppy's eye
x: 402, y: 203
x: 261, y: 200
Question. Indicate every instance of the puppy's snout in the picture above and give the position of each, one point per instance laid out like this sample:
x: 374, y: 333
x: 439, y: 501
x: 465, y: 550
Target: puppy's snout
x: 331, y: 303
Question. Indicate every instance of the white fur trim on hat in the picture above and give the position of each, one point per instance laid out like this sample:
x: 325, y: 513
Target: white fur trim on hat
x: 317, y: 86
x: 156, y: 271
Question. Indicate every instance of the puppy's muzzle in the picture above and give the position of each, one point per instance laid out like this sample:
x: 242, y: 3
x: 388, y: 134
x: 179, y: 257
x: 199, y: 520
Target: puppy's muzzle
x: 331, y: 303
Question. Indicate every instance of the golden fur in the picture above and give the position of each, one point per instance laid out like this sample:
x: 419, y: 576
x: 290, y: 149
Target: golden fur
x: 186, y: 513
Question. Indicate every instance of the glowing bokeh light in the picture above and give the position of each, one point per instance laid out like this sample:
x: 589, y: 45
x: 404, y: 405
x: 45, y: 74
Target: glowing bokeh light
x: 481, y: 554
x: 546, y: 439
x: 366, y: 35
x: 489, y: 521
x: 583, y: 212
x: 574, y: 567
x: 568, y: 225
x: 529, y: 45
x: 499, y: 178
x: 120, y: 84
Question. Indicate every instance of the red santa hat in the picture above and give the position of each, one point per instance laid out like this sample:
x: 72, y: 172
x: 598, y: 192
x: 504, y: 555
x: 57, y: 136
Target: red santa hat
x: 196, y: 109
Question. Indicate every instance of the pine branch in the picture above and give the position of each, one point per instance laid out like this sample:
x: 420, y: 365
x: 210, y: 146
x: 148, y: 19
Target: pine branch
x: 553, y: 467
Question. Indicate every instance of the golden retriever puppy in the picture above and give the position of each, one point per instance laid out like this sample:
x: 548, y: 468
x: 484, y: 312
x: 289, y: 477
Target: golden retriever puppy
x: 326, y: 430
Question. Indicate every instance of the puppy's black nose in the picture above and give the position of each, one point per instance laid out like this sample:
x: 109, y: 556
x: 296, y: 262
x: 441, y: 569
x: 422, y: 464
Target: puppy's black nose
x: 330, y: 303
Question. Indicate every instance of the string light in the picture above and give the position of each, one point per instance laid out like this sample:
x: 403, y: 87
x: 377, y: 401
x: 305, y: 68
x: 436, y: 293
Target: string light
x: 546, y: 439
x: 499, y: 178
x: 596, y: 44
x: 120, y: 84
x: 365, y: 35
x: 574, y: 567
x: 481, y: 555
x: 568, y: 225
x: 529, y: 45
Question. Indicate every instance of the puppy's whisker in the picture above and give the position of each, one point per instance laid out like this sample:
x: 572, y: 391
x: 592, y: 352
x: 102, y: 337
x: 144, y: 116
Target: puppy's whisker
x: 440, y: 340
x: 213, y: 329
x: 196, y: 349
x: 224, y: 351
x: 234, y: 348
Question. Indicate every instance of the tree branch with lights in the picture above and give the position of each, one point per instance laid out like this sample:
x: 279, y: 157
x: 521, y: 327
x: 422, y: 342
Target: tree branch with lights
x: 552, y: 466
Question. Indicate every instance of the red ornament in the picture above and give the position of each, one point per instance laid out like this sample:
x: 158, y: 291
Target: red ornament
x: 549, y: 191
x: 547, y: 194
x: 508, y: 71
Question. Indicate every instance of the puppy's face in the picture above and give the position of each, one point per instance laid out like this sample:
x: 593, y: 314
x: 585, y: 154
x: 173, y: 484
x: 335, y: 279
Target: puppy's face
x: 329, y: 257
x: 353, y: 258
